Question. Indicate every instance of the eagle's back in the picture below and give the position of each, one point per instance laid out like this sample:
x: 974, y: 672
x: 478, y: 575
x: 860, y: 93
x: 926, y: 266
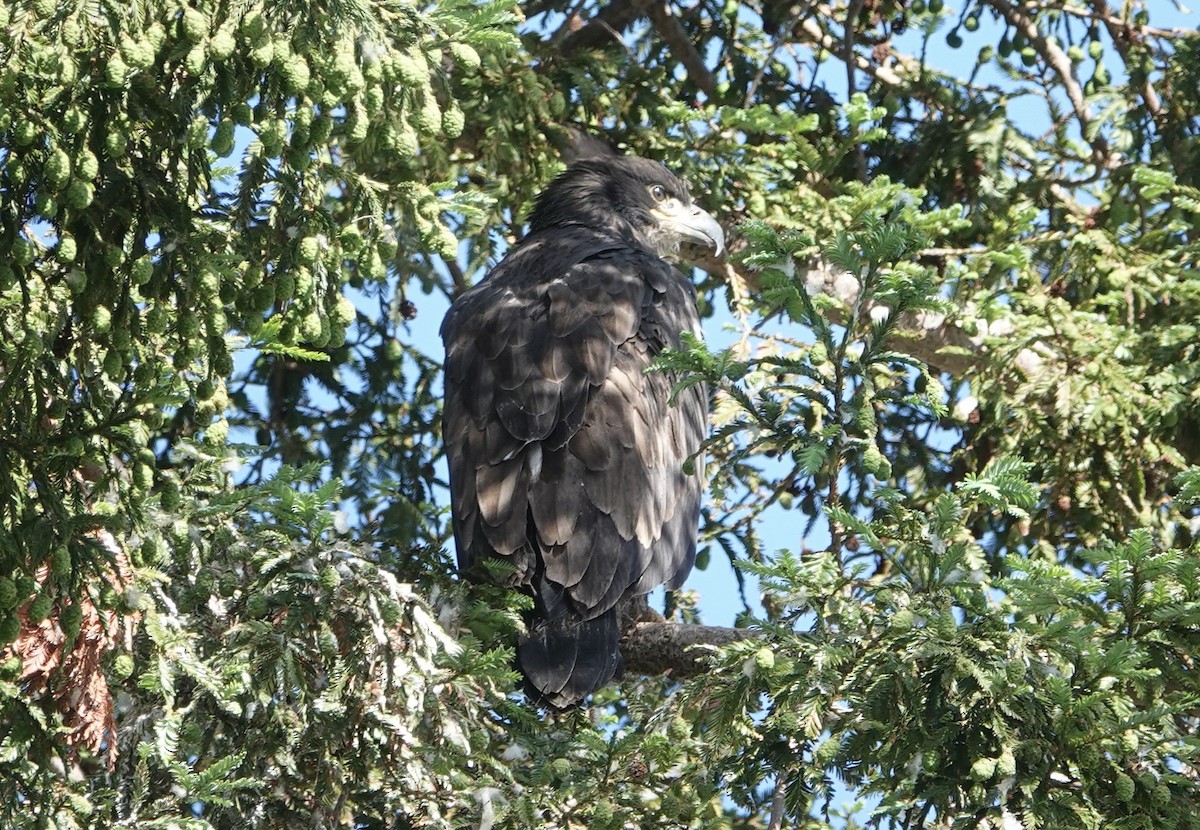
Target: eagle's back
x: 566, y: 457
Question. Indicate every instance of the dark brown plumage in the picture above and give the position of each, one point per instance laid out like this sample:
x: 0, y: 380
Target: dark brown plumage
x: 566, y: 459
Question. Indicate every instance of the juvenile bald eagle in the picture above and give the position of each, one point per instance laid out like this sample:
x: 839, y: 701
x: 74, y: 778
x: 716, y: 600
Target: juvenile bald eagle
x: 566, y: 458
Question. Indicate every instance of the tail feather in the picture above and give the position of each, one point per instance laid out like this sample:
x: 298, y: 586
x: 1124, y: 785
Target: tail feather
x: 566, y: 659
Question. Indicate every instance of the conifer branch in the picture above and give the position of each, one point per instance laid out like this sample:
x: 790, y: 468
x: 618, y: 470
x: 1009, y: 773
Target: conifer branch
x: 933, y: 339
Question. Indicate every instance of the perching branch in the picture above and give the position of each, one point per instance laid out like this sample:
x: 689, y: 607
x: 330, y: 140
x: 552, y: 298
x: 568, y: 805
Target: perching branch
x: 674, y: 648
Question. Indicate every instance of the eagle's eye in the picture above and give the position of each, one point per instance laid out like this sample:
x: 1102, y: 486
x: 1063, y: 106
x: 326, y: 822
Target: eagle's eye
x: 658, y: 192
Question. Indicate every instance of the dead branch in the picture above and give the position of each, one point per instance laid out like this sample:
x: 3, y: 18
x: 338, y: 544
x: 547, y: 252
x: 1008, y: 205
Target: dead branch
x: 65, y: 669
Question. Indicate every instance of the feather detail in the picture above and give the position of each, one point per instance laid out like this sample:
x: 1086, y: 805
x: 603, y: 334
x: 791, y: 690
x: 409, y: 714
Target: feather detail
x: 555, y: 498
x: 499, y: 488
x: 564, y: 660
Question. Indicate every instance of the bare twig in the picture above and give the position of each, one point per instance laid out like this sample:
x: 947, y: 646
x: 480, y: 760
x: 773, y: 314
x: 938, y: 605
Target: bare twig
x: 776, y: 42
x: 852, y: 12
x: 811, y: 32
x: 461, y: 283
x: 610, y: 24
x: 1102, y: 14
x: 1122, y: 34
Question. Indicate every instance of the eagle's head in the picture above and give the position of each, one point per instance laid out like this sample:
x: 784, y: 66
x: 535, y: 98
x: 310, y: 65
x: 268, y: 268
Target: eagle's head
x: 634, y: 198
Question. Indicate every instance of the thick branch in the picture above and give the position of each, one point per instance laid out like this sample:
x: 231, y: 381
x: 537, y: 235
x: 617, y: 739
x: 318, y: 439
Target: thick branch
x: 661, y: 647
x: 606, y: 27
x: 680, y: 44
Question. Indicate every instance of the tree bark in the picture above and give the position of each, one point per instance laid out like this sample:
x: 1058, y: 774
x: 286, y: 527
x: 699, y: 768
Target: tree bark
x: 676, y: 649
x: 606, y: 27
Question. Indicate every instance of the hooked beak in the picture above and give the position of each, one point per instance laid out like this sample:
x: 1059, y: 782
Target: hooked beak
x: 693, y: 223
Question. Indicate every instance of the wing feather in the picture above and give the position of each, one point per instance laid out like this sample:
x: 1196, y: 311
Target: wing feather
x: 589, y: 350
x: 567, y: 311
x: 476, y: 389
x: 608, y: 576
x: 555, y: 498
x: 531, y: 412
x: 502, y: 490
x: 498, y: 443
x: 591, y: 445
x: 567, y: 564
x: 512, y: 366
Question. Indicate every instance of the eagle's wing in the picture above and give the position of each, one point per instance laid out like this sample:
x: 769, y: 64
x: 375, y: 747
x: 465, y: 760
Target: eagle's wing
x: 566, y: 458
